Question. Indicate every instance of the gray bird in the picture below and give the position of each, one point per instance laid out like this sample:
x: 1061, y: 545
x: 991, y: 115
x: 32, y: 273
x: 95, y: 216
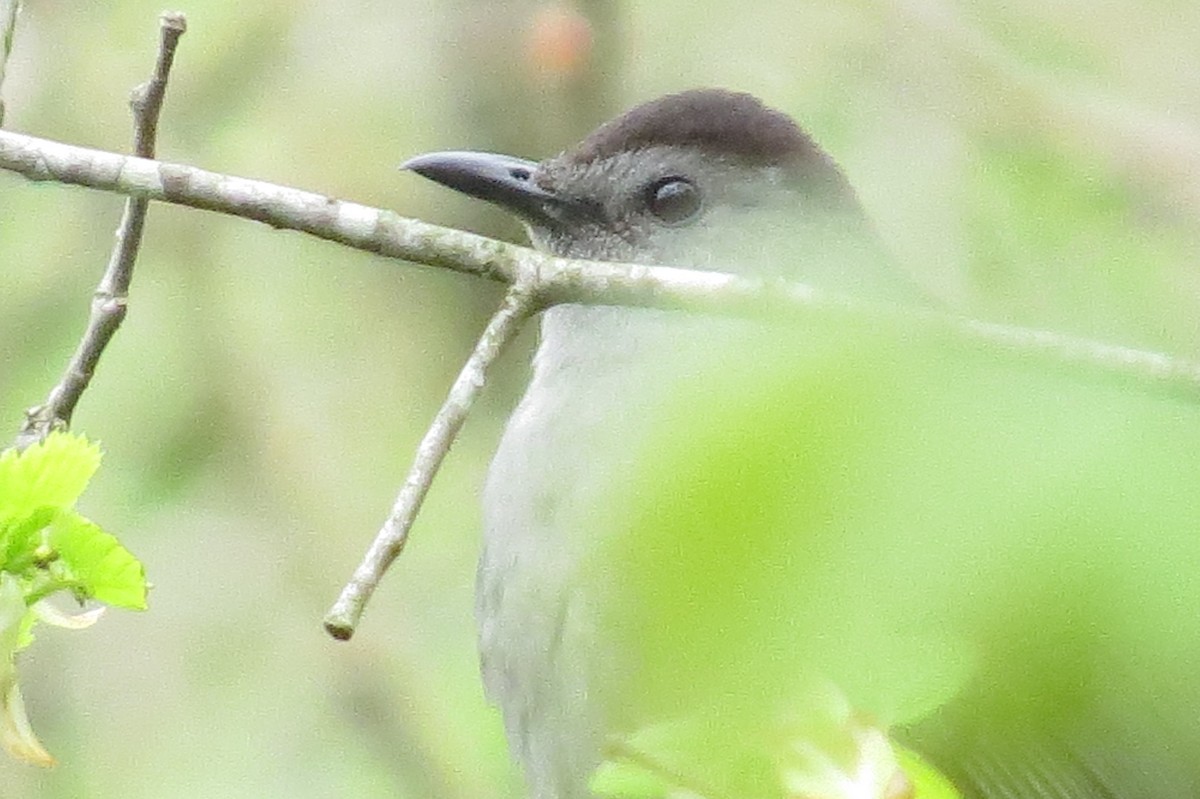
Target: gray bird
x: 707, y: 179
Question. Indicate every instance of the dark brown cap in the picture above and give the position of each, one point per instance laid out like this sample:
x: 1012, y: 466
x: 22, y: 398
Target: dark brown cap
x: 715, y: 120
x: 722, y: 124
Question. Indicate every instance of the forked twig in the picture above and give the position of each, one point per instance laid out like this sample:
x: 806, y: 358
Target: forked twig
x: 109, y: 303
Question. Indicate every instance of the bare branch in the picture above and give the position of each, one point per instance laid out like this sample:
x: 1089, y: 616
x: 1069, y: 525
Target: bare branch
x: 558, y: 280
x: 110, y: 302
x: 519, y: 304
x: 358, y: 226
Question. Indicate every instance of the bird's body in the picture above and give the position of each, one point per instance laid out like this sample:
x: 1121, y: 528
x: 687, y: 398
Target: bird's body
x: 587, y: 408
x: 768, y: 202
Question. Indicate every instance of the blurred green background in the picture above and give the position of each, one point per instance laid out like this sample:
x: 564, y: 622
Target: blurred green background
x: 1031, y: 162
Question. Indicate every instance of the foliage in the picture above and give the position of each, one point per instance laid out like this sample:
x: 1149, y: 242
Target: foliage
x: 917, y: 527
x: 47, y: 548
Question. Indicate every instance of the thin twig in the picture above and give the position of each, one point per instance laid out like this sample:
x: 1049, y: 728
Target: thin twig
x: 110, y: 301
x: 519, y: 304
x: 8, y: 26
x: 147, y: 99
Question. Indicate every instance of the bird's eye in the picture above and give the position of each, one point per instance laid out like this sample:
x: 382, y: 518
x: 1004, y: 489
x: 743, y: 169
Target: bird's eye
x: 674, y: 200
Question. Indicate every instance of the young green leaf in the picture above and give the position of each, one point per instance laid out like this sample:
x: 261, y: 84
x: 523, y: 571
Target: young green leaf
x: 52, y: 473
x: 46, y: 547
x: 102, y: 568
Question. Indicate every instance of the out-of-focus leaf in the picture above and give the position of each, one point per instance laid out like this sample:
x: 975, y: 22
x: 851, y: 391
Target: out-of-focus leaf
x: 914, y: 525
x: 926, y: 781
x: 669, y: 751
x: 16, y: 734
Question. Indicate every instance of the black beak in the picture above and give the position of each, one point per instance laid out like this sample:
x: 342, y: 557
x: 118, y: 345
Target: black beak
x: 500, y: 179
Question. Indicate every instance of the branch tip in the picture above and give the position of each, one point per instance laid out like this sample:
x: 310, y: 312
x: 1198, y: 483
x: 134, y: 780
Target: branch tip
x: 340, y: 628
x: 175, y: 21
x: 520, y: 302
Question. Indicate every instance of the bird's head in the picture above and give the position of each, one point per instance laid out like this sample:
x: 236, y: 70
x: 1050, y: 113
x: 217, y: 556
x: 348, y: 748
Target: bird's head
x: 706, y: 179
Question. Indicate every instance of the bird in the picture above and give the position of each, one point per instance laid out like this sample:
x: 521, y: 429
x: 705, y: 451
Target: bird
x: 705, y: 179
x: 708, y: 179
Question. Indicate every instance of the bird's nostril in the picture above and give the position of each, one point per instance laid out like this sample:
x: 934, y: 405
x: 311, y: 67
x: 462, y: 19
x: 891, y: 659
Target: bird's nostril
x: 519, y: 173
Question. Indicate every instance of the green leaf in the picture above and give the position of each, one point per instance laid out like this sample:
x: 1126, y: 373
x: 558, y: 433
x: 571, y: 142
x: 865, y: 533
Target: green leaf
x: 50, y: 545
x: 20, y: 537
x: 659, y: 759
x: 52, y: 473
x: 923, y: 529
x: 104, y: 569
